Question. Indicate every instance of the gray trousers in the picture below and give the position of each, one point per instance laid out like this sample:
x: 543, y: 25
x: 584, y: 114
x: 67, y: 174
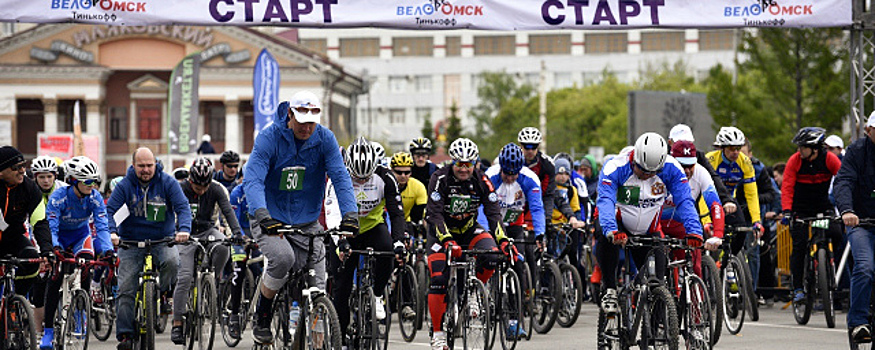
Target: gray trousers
x: 283, y: 255
x: 185, y: 274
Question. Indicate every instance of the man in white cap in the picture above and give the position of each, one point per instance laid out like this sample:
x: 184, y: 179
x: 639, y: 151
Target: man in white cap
x: 682, y: 132
x: 836, y: 145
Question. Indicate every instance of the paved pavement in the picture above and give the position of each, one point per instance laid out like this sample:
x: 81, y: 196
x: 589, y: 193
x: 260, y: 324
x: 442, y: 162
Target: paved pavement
x: 776, y: 330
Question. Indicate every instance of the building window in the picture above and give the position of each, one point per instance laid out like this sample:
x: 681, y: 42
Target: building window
x: 494, y: 45
x: 398, y: 84
x: 422, y: 113
x: 590, y: 78
x: 563, y: 80
x: 662, y: 41
x: 360, y: 47
x: 454, y: 46
x: 149, y: 123
x: 318, y: 45
x: 532, y: 78
x: 716, y: 40
x: 396, y: 116
x: 118, y: 123
x: 606, y: 42
x: 214, y: 120
x: 423, y: 83
x: 550, y: 44
x: 65, y: 115
x: 423, y: 46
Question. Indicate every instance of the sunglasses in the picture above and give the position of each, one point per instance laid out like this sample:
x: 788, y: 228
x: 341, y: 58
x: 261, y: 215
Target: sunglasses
x: 509, y: 173
x: 421, y: 154
x: 232, y: 165
x: 18, y: 166
x: 304, y: 110
x: 464, y: 165
x: 408, y: 172
x: 646, y: 172
x: 530, y: 146
x: 688, y: 166
x: 733, y: 148
x: 89, y: 182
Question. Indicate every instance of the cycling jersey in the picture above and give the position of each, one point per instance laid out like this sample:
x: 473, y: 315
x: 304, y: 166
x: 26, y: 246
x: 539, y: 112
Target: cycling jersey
x: 241, y: 208
x: 413, y: 194
x: 514, y: 199
x: 378, y: 192
x: 452, y: 204
x: 203, y: 208
x: 806, y: 183
x: 735, y: 174
x: 701, y: 185
x: 69, y: 215
x: 636, y: 203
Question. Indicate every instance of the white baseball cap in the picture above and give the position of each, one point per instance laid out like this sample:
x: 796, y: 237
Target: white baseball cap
x: 834, y: 141
x: 681, y: 132
x: 871, y: 120
x: 306, y: 107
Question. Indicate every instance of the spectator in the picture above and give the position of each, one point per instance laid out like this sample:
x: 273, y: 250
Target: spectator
x: 206, y: 147
x: 836, y: 145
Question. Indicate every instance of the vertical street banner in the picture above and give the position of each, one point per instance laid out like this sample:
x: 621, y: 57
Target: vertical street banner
x: 266, y: 86
x: 183, y: 105
x: 78, y: 144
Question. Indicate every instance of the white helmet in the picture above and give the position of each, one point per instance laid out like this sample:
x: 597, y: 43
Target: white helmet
x: 361, y: 158
x: 650, y: 151
x: 381, y: 152
x: 464, y: 150
x: 309, y: 105
x: 729, y: 136
x: 529, y: 135
x: 44, y: 164
x: 81, y: 168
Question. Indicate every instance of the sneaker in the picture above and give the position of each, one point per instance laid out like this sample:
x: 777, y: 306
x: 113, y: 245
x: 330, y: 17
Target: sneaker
x: 48, y: 338
x: 261, y: 332
x: 234, y: 326
x: 126, y: 343
x: 609, y: 301
x: 861, y: 334
x: 177, y: 336
x: 407, y: 313
x: 439, y: 341
x: 166, y: 306
x: 379, y: 308
x: 799, y: 296
x: 515, y: 331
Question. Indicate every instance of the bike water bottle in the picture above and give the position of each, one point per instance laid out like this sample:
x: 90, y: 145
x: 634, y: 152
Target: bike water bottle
x: 294, y: 315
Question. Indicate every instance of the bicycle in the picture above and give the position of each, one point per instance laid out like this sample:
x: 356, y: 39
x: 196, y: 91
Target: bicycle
x: 103, y: 300
x: 146, y: 301
x: 467, y: 301
x: 870, y: 223
x: 74, y: 304
x: 365, y: 331
x: 247, y: 288
x: 419, y: 260
x: 692, y: 297
x: 505, y: 293
x: 646, y: 307
x: 19, y: 329
x: 318, y: 326
x: 714, y: 283
x: 819, y: 271
x: 544, y: 305
x: 199, y: 319
x: 572, y: 288
x: 402, y: 292
x: 737, y: 298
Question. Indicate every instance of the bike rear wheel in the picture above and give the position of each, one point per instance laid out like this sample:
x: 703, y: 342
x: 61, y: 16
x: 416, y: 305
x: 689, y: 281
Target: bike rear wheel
x: 20, y: 326
x: 698, y: 318
x: 407, y: 302
x: 571, y: 295
x: 753, y: 306
x: 548, y: 287
x: 103, y: 314
x: 734, y: 297
x: 713, y: 281
x: 825, y: 276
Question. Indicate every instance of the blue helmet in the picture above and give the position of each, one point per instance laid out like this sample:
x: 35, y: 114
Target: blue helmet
x: 511, y: 159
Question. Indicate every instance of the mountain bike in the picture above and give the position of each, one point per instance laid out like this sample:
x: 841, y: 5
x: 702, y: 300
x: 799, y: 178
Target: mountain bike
x: 146, y: 301
x: 572, y: 288
x: 547, y: 288
x: 402, y: 296
x: 819, y: 270
x: 735, y: 280
x: 19, y: 329
x: 199, y: 319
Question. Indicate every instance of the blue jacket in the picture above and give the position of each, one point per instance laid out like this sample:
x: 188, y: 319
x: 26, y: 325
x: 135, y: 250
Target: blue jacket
x: 274, y: 150
x: 68, y: 215
x: 241, y: 208
x: 161, y: 189
x: 854, y: 185
x: 509, y: 199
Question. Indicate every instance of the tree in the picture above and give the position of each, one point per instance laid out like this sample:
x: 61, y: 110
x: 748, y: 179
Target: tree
x: 495, y: 90
x: 454, y: 124
x: 428, y: 129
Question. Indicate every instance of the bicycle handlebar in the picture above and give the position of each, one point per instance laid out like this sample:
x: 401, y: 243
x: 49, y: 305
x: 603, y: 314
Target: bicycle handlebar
x: 147, y: 243
x: 371, y: 252
x: 19, y: 261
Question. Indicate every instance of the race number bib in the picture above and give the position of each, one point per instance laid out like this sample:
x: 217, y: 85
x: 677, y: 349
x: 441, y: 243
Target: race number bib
x: 459, y: 204
x: 628, y: 195
x: 194, y: 207
x: 511, y: 216
x: 155, y: 211
x: 292, y: 179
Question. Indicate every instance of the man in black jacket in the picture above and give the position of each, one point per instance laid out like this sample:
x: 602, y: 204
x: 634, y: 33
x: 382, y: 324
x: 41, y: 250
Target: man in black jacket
x: 854, y: 189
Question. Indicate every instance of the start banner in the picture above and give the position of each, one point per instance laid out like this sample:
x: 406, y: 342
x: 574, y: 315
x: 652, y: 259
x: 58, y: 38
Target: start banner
x: 440, y: 14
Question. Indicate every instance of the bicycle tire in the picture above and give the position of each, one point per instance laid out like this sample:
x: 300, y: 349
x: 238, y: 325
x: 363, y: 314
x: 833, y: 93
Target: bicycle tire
x: 147, y: 334
x: 322, y: 319
x: 697, y: 316
x: 422, y: 281
x: 451, y: 314
x: 546, y: 307
x: 366, y: 320
x: 528, y: 301
x: 21, y: 334
x: 75, y: 334
x: 102, y: 318
x: 225, y: 313
x: 407, y: 296
x: 802, y: 309
x: 512, y: 308
x: 661, y: 307
x: 475, y: 325
x: 282, y: 338
x: 753, y: 306
x: 733, y: 300
x: 825, y: 288
x: 711, y: 277
x: 161, y: 320
x: 206, y: 313
x: 571, y: 296
x: 384, y: 326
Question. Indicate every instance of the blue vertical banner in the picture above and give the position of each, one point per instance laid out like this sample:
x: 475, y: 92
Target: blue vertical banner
x: 266, y: 83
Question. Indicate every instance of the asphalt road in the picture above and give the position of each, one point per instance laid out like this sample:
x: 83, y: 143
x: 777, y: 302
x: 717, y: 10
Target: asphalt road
x: 776, y: 330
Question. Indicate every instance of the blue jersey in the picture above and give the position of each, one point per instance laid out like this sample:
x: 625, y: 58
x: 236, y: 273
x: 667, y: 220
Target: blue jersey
x: 69, y: 215
x: 517, y: 197
x: 241, y: 208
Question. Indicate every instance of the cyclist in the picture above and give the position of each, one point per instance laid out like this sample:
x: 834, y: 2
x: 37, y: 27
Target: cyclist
x: 376, y: 191
x: 203, y: 195
x: 228, y: 176
x: 156, y: 209
x: 241, y: 211
x: 805, y: 193
x: 702, y: 187
x: 456, y: 193
x: 381, y: 154
x: 530, y: 139
x: 633, y: 187
x: 69, y: 211
x: 567, y: 206
x: 736, y: 170
x: 682, y: 132
x: 579, y: 182
x: 422, y: 168
x: 836, y: 145
x: 855, y: 198
x: 45, y: 172
x: 413, y: 195
x: 285, y: 184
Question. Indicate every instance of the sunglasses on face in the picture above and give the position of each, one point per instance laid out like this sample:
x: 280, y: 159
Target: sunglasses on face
x: 688, y: 166
x: 232, y: 165
x: 646, y: 172
x: 305, y: 110
x: 464, y: 165
x: 89, y: 182
x: 421, y: 154
x: 408, y: 172
x: 18, y: 166
x: 509, y: 173
x: 530, y: 146
x: 733, y: 148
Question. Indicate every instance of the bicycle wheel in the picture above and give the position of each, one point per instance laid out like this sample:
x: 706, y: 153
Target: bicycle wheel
x: 161, y: 320
x: 20, y: 326
x: 611, y: 329
x: 825, y: 275
x: 75, y: 332
x: 205, y: 318
x: 711, y: 277
x: 802, y: 309
x: 661, y: 321
x: 422, y: 281
x: 475, y: 316
x: 571, y: 295
x: 548, y: 287
x: 250, y: 285
x: 510, y: 312
x: 451, y: 315
x: 528, y: 302
x: 698, y: 317
x: 322, y: 326
x: 384, y: 325
x: 282, y: 337
x: 407, y: 299
x: 225, y: 313
x: 146, y: 313
x: 753, y: 306
x: 733, y: 296
x: 102, y: 314
x: 366, y: 320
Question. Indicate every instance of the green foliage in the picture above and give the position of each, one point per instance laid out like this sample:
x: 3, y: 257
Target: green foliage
x: 428, y: 129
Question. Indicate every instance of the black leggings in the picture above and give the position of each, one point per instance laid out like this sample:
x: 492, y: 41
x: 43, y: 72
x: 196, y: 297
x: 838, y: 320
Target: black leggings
x: 608, y: 256
x: 377, y: 238
x: 518, y: 233
x: 53, y: 288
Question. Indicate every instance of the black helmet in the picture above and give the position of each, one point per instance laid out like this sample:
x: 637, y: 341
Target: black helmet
x: 229, y: 157
x: 201, y: 172
x: 419, y: 144
x: 810, y: 136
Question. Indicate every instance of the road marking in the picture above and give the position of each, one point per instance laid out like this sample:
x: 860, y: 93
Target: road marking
x: 427, y: 345
x: 761, y: 324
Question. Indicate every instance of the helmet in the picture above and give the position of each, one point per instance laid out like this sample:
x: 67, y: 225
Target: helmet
x: 306, y: 100
x: 729, y: 136
x: 563, y: 155
x: 114, y: 182
x: 180, y: 173
x: 529, y: 135
x: 511, y: 159
x: 44, y: 164
x: 229, y: 157
x: 402, y: 159
x: 361, y: 159
x: 464, y: 150
x: 650, y: 151
x: 201, y: 172
x: 381, y: 152
x: 81, y: 168
x: 810, y: 136
x: 419, y: 144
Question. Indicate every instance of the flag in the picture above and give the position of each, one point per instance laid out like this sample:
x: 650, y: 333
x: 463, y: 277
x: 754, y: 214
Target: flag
x: 266, y: 86
x: 183, y: 105
x: 78, y: 145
